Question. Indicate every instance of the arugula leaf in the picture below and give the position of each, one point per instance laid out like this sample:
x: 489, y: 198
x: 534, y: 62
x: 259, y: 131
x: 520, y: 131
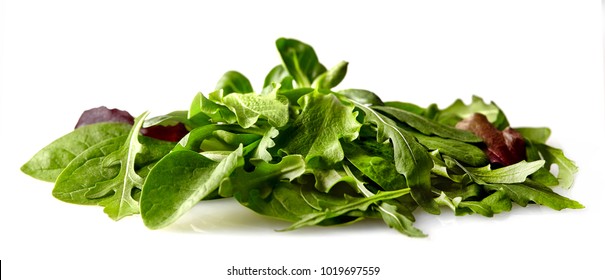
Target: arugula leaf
x: 388, y: 211
x: 351, y: 204
x: 411, y: 159
x: 375, y: 160
x: 523, y: 193
x: 511, y: 174
x: 316, y: 132
x: 48, y: 163
x: 427, y: 126
x: 105, y: 174
x: 179, y: 181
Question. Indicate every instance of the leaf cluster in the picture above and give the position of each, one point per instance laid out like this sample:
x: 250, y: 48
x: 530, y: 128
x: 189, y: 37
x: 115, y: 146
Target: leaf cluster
x: 300, y: 151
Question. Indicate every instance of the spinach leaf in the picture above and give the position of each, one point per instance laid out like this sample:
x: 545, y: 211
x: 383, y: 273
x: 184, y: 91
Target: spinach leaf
x: 278, y: 75
x: 234, y: 81
x: 179, y: 181
x: 48, y: 163
x: 362, y: 96
x: 332, y: 77
x: 300, y: 60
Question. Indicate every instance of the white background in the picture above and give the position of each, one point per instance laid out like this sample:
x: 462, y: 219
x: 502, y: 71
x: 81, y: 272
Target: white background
x: 541, y: 61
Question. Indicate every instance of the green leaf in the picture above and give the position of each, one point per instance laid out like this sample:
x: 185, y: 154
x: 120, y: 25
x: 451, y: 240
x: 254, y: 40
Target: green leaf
x: 263, y: 178
x: 522, y: 194
x: 375, y: 160
x: 204, y: 108
x: 388, y: 211
x: 179, y: 181
x: 458, y: 111
x: 511, y: 174
x: 278, y: 75
x: 105, y: 174
x: 464, y: 152
x: 300, y: 60
x: 498, y: 202
x: 48, y: 163
x: 266, y: 142
x: 234, y: 81
x: 411, y: 158
x: 120, y: 188
x: 429, y: 127
x: 352, y: 204
x: 362, y: 96
x: 535, y: 134
x: 316, y: 132
x: 249, y: 107
x: 566, y: 167
x: 332, y: 77
x: 475, y: 207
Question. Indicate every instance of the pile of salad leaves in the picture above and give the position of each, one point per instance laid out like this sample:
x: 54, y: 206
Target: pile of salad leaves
x: 305, y: 153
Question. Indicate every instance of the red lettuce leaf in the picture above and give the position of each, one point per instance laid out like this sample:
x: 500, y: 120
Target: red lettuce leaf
x: 503, y: 148
x: 104, y: 114
x: 172, y: 133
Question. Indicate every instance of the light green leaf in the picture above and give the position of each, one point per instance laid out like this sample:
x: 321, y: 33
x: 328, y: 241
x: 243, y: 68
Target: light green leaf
x: 522, y: 194
x: 266, y: 142
x: 234, y: 81
x: 458, y: 111
x: 263, y: 178
x: 332, y: 77
x: 316, y: 132
x: 48, y: 163
x: 516, y: 173
x: 300, y: 60
x: 204, y: 108
x: 249, y: 107
x: 106, y: 174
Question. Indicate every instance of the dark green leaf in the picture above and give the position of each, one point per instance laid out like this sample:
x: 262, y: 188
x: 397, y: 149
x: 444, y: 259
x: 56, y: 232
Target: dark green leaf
x: 410, y: 157
x: 429, y: 127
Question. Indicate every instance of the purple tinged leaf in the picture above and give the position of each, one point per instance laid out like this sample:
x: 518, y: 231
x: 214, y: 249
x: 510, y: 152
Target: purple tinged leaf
x: 504, y: 147
x: 104, y: 114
